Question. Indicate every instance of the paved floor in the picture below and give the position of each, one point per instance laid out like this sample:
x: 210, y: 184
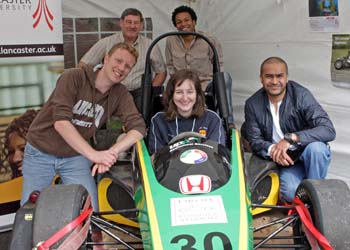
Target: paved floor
x: 339, y: 168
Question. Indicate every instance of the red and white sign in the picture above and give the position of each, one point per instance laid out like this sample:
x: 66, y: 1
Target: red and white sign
x: 34, y: 28
x: 195, y: 184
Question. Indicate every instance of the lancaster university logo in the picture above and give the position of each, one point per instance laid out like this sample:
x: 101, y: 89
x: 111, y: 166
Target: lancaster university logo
x: 42, y: 10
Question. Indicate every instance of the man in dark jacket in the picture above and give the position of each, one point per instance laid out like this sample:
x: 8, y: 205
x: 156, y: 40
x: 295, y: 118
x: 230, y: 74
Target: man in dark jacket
x: 283, y: 117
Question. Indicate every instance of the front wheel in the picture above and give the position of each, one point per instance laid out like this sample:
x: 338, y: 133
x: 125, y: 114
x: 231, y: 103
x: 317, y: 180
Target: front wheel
x: 57, y: 206
x: 338, y: 64
x: 329, y: 205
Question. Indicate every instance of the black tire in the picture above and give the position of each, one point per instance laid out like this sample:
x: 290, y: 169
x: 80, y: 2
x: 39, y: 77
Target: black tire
x: 329, y: 202
x: 338, y: 64
x: 5, y: 239
x: 57, y: 206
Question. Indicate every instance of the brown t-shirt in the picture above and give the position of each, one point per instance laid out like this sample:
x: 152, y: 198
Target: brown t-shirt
x: 73, y: 100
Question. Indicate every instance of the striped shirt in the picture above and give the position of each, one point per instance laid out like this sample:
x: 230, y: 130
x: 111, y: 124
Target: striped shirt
x: 133, y: 80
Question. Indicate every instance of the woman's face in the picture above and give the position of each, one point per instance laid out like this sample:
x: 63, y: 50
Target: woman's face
x: 185, y: 97
x: 16, y: 151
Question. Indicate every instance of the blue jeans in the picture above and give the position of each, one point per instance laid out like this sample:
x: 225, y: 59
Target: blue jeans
x: 40, y: 168
x: 313, y: 163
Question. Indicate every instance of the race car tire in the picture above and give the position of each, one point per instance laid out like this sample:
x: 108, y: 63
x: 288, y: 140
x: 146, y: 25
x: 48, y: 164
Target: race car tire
x: 338, y: 64
x: 329, y: 208
x: 65, y: 204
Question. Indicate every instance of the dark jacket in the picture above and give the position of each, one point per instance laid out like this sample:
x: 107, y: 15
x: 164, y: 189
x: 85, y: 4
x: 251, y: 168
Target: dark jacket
x: 299, y: 113
x: 162, y: 131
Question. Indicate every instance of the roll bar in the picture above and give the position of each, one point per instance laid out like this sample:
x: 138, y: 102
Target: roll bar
x: 219, y: 92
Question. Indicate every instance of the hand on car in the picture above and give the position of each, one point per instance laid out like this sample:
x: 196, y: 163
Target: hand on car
x: 104, y: 157
x: 99, y: 168
x: 103, y: 161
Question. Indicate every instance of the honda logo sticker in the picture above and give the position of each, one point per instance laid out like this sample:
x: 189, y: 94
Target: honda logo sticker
x: 195, y: 184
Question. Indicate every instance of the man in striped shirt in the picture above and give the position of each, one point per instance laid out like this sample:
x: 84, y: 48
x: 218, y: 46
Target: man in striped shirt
x: 131, y: 23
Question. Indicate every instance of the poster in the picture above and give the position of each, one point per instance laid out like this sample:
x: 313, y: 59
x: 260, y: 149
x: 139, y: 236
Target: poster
x: 323, y: 15
x: 31, y: 50
x: 34, y: 29
x: 340, y: 62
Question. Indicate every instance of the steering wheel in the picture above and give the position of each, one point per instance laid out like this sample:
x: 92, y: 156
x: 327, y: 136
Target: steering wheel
x: 184, y: 135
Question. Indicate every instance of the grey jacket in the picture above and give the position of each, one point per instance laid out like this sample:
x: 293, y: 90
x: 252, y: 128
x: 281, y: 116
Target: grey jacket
x: 299, y: 113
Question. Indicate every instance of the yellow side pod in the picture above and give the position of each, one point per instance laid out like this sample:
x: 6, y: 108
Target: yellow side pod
x: 105, y: 206
x: 11, y: 190
x: 272, y: 197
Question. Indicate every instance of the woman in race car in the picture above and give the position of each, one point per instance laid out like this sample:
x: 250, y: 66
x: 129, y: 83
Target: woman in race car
x: 184, y: 104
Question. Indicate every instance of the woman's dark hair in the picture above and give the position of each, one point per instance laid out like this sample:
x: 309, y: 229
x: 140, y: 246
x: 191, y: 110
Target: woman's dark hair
x: 176, y: 80
x: 181, y: 9
x: 19, y: 125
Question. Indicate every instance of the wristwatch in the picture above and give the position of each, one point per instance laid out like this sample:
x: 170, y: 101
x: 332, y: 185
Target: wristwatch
x: 288, y: 138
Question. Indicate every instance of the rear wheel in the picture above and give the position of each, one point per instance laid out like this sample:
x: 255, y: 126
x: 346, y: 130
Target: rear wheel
x: 57, y: 206
x: 330, y: 209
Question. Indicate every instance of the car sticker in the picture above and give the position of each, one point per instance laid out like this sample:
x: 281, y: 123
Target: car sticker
x: 195, y: 184
x: 203, y: 209
x: 193, y: 156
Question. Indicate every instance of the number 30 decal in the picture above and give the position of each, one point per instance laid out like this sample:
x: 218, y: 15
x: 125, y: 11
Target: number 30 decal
x: 208, y: 241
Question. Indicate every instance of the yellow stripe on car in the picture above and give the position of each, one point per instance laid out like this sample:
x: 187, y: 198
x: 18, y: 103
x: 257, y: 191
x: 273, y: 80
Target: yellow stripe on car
x: 157, y: 243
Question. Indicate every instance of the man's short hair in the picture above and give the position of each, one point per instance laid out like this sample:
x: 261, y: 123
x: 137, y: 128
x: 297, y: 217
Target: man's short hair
x: 273, y: 59
x: 133, y: 12
x: 181, y: 9
x: 125, y: 46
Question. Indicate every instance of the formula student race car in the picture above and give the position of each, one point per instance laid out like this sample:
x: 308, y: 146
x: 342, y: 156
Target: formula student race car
x: 194, y: 194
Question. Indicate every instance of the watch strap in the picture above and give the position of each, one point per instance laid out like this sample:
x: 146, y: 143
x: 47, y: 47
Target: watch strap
x: 288, y: 138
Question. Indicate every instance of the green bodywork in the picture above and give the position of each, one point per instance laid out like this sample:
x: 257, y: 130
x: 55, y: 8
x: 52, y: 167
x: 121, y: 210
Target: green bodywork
x: 220, y: 219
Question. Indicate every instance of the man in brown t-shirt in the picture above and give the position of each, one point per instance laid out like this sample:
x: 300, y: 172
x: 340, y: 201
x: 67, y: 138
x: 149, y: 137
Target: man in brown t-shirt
x: 82, y: 102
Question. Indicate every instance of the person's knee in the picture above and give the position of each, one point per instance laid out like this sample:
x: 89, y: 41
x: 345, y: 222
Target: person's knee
x: 317, y: 150
x: 317, y: 147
